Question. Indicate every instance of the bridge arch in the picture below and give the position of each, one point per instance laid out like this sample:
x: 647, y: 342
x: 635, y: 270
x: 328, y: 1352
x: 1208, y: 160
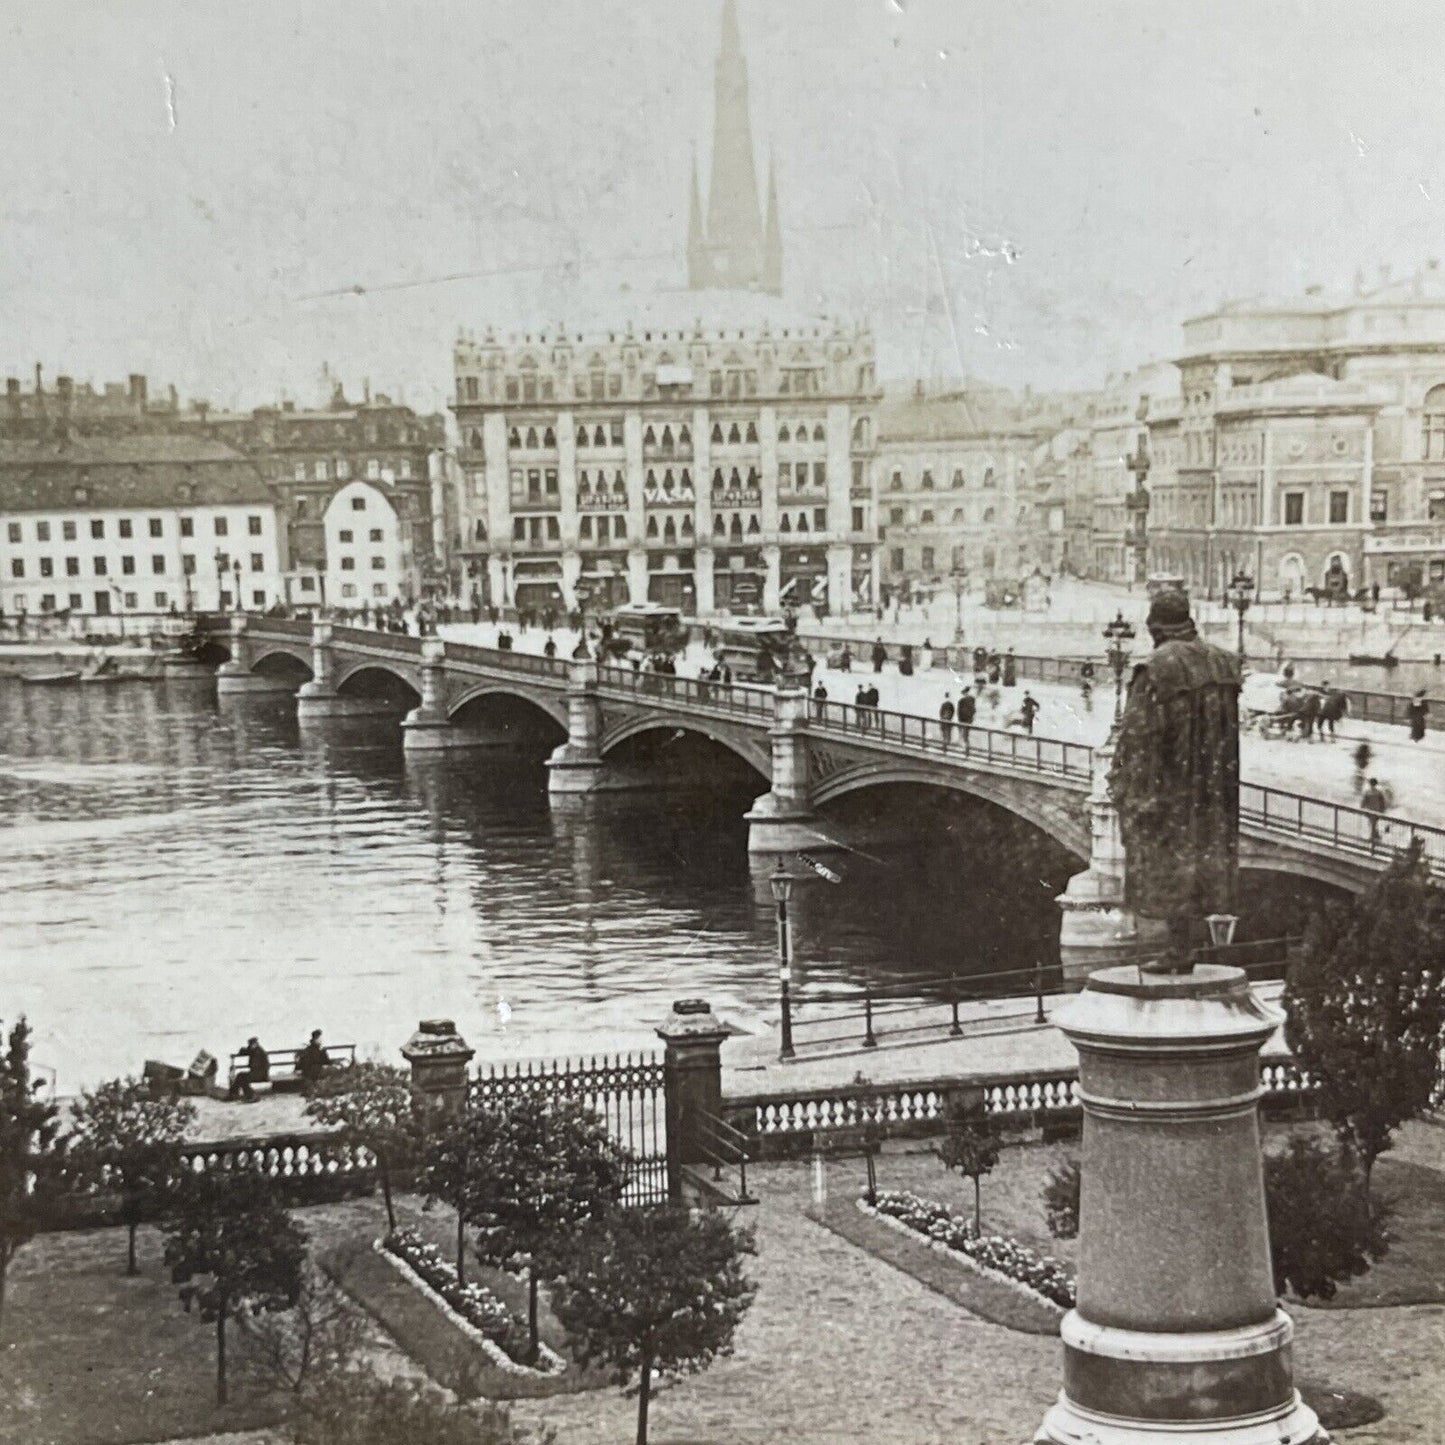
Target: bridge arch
x: 1051, y: 810
x: 372, y: 676
x: 553, y: 707
x: 283, y: 662
x: 740, y: 746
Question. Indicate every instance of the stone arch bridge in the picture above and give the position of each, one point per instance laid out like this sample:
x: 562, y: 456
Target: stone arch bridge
x: 809, y: 753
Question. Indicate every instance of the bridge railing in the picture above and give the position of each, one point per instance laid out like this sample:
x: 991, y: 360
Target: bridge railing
x: 504, y: 658
x: 368, y: 637
x: 755, y: 702
x: 1341, y: 827
x: 278, y: 626
x: 985, y: 745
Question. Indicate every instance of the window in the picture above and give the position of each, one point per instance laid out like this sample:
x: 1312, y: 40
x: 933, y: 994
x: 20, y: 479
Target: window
x: 378, y: 564
x: 223, y: 561
x: 253, y: 526
x: 76, y: 602
x: 554, y: 531
x: 348, y: 564
x: 857, y: 519
x: 895, y: 559
x: 97, y: 528
x: 162, y: 600
x: 158, y: 564
x: 348, y: 589
x: 895, y: 480
x: 820, y: 474
x: 926, y: 561
x: 927, y: 483
x: 957, y: 477
x: 615, y: 430
x: 1434, y: 424
x: 42, y: 531
x: 222, y: 526
x: 127, y: 566
x: 132, y: 599
x: 300, y: 473
x: 927, y: 518
x: 378, y: 589
x: 14, y: 531
x: 99, y: 565
x: 1294, y: 509
x: 373, y: 472
x: 188, y: 565
x: 550, y: 477
x: 47, y: 602
x: 358, y: 503
x: 1379, y: 506
x: 17, y: 567
x: 345, y: 535
x: 519, y: 529
x: 47, y: 567
x: 1435, y: 507
x: 258, y: 562
x: 1339, y: 507
x: 820, y: 519
x: 188, y: 526
x: 375, y: 534
x: 72, y: 566
x: 67, y: 530
x: 154, y: 527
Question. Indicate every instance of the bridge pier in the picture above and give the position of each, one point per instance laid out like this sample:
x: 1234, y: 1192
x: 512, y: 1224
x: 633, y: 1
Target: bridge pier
x: 577, y: 766
x: 1095, y: 929
x: 428, y: 728
x: 318, y: 699
x: 781, y: 820
x: 235, y: 678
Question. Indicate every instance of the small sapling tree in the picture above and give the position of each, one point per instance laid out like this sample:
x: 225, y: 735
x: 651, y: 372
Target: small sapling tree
x: 654, y: 1292
x: 128, y: 1140
x: 971, y: 1146
x: 27, y: 1150
x: 231, y: 1247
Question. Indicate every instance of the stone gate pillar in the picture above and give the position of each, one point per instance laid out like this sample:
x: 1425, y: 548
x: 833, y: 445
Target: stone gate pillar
x: 781, y: 820
x: 1096, y: 929
x: 692, y: 1064
x: 234, y: 677
x: 1177, y: 1335
x: 439, y: 1056
x: 577, y: 766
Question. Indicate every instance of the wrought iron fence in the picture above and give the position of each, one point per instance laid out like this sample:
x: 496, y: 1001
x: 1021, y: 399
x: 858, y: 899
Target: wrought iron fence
x: 626, y: 1092
x: 731, y: 697
x: 1341, y: 827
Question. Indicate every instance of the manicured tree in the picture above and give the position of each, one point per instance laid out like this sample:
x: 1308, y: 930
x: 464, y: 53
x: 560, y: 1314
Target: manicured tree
x: 128, y: 1140
x: 1323, y: 1228
x: 371, y: 1105
x: 448, y: 1173
x: 1061, y: 1199
x: 27, y: 1150
x: 971, y: 1146
x: 1366, y: 1007
x: 654, y: 1291
x: 231, y: 1246
x: 542, y: 1168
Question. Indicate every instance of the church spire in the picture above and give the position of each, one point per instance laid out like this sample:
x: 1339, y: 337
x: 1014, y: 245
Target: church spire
x: 734, y: 245
x: 772, y: 278
x: 698, y: 270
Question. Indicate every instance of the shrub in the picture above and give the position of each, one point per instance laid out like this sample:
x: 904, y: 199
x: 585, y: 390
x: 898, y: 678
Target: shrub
x: 1061, y: 1199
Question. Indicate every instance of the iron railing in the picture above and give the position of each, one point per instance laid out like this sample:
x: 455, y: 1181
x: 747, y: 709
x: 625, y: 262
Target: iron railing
x: 1345, y: 829
x: 738, y: 698
x: 369, y: 637
x: 279, y: 626
x: 724, y: 1148
x: 506, y: 660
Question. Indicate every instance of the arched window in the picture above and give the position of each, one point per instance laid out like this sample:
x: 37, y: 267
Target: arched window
x: 599, y: 437
x: 584, y: 528
x: 474, y: 439
x: 753, y: 528
x: 784, y: 525
x: 581, y: 436
x: 1023, y: 514
x: 735, y: 531
x: 531, y: 438
x: 669, y: 531
x: 783, y: 434
x: 735, y: 481
x: 926, y: 520
x: 718, y: 482
x: 549, y: 439
x: 958, y: 516
x: 667, y: 438
x: 514, y: 438
x: 818, y: 432
x: 652, y: 527
x: 802, y: 521
x: 734, y: 435
x: 717, y: 434
x: 895, y: 480
x: 752, y: 432
x: 719, y: 527
x: 619, y: 487
x: 649, y: 438
x: 684, y: 436
x: 687, y: 526
x: 583, y: 486
x: 957, y: 478
x: 755, y: 477
x: 988, y: 476
x: 687, y: 479
x: 1434, y: 439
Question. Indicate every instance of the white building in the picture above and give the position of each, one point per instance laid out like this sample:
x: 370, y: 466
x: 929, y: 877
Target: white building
x: 365, y: 552
x: 138, y: 524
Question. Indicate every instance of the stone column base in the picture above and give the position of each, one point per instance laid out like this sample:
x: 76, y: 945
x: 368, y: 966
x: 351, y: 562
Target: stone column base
x: 437, y: 735
x: 777, y: 826
x: 312, y: 706
x: 186, y: 668
x: 233, y: 680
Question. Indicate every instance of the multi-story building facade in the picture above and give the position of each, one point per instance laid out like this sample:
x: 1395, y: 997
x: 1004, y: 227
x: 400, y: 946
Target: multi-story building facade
x: 956, y: 488
x: 66, y: 408
x: 1307, y: 446
x: 135, y: 524
x: 707, y: 469
x: 312, y: 457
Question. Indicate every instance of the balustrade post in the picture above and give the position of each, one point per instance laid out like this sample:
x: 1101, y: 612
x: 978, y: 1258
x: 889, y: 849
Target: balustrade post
x: 692, y: 1073
x: 781, y: 820
x: 439, y: 1056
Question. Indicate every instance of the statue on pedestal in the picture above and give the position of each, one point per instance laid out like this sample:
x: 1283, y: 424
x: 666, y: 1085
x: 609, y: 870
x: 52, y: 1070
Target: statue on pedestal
x: 1175, y: 780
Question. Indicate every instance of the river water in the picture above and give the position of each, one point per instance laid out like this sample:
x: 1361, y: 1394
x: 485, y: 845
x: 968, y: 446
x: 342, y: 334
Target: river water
x: 177, y: 875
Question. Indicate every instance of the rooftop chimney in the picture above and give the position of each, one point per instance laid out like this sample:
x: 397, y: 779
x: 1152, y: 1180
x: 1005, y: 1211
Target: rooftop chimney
x: 138, y: 391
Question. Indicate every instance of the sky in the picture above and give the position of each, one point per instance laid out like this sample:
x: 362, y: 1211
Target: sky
x: 228, y: 196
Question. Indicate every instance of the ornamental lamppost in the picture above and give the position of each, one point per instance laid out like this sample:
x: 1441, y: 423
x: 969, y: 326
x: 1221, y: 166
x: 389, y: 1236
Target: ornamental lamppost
x: 1119, y: 634
x: 1240, y: 595
x: 236, y: 569
x: 782, y: 886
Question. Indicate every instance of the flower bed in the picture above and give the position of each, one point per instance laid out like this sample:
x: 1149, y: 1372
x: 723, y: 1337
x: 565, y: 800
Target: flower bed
x: 992, y: 1253
x: 474, y: 1308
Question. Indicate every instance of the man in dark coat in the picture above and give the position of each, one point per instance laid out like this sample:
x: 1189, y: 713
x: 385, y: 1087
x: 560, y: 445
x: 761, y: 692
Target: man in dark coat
x: 1175, y: 780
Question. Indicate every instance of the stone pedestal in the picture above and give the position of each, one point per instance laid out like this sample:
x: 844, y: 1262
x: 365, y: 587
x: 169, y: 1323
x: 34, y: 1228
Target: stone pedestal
x: 780, y: 821
x: 693, y: 1063
x: 232, y: 680
x: 439, y: 1056
x: 316, y: 701
x: 1177, y: 1335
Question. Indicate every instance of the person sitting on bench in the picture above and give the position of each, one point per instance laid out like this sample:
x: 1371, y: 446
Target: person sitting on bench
x: 313, y: 1060
x: 257, y: 1071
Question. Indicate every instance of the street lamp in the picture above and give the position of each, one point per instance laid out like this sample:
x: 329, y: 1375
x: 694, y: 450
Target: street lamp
x: 959, y: 577
x: 1119, y: 634
x: 237, y: 570
x: 1240, y: 594
x: 782, y: 886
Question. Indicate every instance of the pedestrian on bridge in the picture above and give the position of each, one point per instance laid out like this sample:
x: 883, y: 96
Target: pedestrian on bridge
x: 1010, y: 670
x: 1373, y: 803
x: 945, y: 718
x: 1029, y: 711
x: 880, y: 655
x: 820, y: 701
x: 1418, y: 710
x: 549, y: 648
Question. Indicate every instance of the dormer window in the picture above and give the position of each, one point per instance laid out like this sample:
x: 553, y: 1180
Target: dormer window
x: 82, y: 495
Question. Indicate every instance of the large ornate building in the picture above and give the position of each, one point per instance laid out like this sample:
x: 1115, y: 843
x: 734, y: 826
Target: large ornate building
x: 704, y: 468
x: 1307, y: 443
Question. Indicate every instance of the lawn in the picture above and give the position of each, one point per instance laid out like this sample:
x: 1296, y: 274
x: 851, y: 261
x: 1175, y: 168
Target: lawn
x: 90, y: 1357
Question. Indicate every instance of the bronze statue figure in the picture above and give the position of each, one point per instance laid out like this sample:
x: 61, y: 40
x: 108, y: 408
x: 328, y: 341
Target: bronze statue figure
x: 1175, y: 780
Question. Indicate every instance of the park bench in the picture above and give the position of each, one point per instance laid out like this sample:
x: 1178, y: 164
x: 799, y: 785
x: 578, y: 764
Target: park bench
x: 852, y: 1141
x: 283, y: 1065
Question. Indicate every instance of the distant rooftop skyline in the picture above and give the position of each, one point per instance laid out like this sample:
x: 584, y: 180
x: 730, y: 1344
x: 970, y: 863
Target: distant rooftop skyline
x: 1042, y: 194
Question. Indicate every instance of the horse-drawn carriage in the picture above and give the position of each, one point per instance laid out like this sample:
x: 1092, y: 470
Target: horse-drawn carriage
x: 1273, y: 705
